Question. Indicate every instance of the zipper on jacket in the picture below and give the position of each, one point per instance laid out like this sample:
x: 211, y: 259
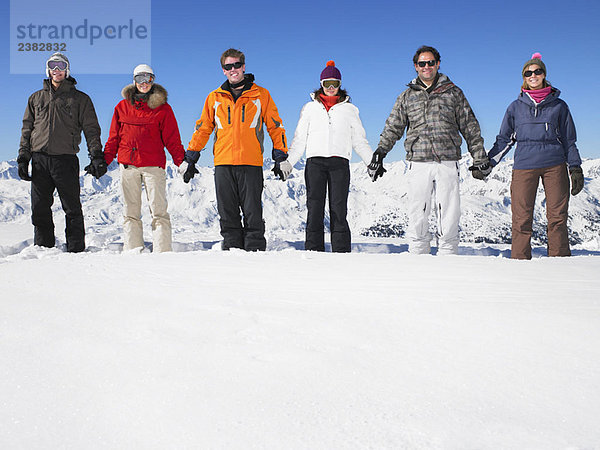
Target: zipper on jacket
x: 229, y: 115
x: 243, y: 112
x: 546, y: 126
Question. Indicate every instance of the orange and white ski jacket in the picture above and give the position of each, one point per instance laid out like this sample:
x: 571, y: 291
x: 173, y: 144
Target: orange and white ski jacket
x: 239, y: 126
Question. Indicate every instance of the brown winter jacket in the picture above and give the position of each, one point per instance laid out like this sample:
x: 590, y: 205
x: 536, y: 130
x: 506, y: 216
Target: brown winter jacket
x: 53, y: 122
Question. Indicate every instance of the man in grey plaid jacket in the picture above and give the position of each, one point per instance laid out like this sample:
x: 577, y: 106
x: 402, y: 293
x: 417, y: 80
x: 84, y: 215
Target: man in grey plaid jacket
x: 433, y: 111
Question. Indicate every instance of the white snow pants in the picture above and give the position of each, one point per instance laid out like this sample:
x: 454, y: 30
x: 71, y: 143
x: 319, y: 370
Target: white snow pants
x: 154, y: 180
x: 440, y: 180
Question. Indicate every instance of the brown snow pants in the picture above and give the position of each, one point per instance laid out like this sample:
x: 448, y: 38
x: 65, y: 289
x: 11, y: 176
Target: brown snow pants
x: 523, y: 189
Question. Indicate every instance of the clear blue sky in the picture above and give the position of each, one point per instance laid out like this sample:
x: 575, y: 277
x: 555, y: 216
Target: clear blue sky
x: 483, y: 47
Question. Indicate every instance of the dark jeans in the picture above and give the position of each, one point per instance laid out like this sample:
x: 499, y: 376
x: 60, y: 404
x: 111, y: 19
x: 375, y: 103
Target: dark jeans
x: 322, y: 175
x: 239, y: 188
x: 60, y: 172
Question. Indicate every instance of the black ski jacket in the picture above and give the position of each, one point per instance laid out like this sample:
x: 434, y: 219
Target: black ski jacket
x: 53, y: 122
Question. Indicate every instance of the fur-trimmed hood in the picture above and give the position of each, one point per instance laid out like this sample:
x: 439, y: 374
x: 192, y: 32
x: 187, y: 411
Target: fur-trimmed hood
x: 158, y: 95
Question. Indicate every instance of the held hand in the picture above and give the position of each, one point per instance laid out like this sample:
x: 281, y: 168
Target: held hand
x: 285, y: 169
x: 282, y: 169
x: 190, y: 172
x: 188, y: 167
x: 577, y: 180
x: 481, y: 171
x: 97, y: 166
x: 374, y: 174
x: 375, y: 169
x: 187, y: 171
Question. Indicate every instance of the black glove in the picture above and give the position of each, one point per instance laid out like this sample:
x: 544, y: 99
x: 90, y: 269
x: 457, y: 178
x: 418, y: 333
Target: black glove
x: 23, y: 162
x: 576, y: 180
x: 188, y: 167
x: 97, y: 166
x: 375, y: 168
x: 481, y: 171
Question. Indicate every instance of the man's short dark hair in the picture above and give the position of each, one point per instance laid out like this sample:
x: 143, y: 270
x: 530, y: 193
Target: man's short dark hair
x: 425, y: 49
x: 232, y: 53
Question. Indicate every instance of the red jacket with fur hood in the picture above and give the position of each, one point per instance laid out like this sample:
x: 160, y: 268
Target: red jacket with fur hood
x: 141, y: 130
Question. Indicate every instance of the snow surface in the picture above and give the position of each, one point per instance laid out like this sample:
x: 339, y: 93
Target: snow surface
x: 287, y: 349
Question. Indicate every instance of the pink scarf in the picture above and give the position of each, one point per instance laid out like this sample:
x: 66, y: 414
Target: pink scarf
x: 539, y: 94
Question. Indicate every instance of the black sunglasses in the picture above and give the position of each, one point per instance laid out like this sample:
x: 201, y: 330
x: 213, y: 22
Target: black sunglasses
x: 427, y: 63
x: 528, y: 73
x: 235, y: 65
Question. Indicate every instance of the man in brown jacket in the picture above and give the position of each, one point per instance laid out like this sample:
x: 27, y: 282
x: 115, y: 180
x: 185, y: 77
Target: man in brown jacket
x: 54, y: 119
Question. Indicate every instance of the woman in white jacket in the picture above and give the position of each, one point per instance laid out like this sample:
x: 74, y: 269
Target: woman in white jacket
x: 328, y: 129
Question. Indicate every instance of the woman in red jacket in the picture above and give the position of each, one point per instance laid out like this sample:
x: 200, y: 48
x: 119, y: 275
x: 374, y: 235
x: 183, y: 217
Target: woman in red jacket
x: 143, y: 124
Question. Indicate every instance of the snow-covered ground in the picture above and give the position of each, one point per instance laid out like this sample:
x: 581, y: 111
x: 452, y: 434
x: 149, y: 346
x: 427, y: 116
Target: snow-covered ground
x: 287, y: 349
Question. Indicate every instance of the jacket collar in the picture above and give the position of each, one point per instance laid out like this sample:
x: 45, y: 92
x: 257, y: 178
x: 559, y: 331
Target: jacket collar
x: 551, y: 98
x: 249, y: 80
x: 66, y: 85
x: 442, y: 85
x: 158, y: 95
x: 315, y: 99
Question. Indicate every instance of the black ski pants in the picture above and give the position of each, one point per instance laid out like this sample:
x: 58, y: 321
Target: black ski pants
x: 327, y: 174
x: 60, y: 172
x: 239, y: 188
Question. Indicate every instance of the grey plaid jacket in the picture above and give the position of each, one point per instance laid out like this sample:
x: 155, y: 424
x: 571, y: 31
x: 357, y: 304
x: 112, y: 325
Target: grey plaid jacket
x: 433, y: 122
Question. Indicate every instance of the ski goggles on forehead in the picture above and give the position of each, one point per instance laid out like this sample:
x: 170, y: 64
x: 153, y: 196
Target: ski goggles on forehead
x: 429, y: 63
x: 528, y: 73
x: 331, y: 84
x: 60, y: 65
x: 143, y: 78
x: 235, y: 65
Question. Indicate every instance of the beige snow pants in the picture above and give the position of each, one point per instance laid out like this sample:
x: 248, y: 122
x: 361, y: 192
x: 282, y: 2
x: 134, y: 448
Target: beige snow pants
x: 154, y: 181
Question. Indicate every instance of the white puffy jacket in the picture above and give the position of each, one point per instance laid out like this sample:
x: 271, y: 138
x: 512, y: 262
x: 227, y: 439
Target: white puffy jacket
x: 329, y: 133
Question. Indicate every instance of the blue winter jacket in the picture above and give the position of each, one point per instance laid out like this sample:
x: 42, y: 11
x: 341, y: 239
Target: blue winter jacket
x: 544, y: 133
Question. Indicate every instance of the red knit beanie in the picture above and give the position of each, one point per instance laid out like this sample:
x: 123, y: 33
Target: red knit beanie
x: 331, y: 72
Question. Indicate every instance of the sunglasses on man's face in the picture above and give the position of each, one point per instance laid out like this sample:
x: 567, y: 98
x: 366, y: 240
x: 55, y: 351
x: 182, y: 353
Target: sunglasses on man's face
x: 333, y: 84
x: 235, y: 65
x: 528, y: 73
x: 57, y: 65
x: 426, y: 63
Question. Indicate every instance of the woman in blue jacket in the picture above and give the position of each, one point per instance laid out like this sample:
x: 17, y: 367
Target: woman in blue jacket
x: 542, y: 127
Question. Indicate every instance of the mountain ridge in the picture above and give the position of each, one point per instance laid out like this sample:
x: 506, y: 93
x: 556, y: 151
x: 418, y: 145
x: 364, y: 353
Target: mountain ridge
x: 374, y: 209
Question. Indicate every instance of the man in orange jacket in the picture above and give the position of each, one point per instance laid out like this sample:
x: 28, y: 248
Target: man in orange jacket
x: 238, y: 110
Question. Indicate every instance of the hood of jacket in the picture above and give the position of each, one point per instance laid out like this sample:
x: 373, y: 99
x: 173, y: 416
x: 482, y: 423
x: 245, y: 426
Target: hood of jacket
x: 442, y: 85
x: 158, y: 95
